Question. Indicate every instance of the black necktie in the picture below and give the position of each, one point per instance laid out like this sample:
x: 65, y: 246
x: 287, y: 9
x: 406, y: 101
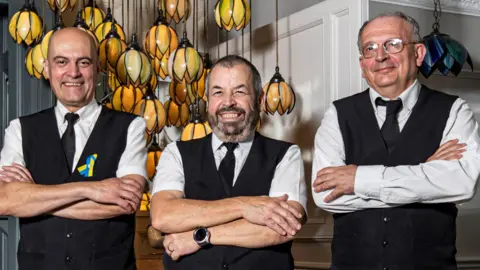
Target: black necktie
x: 227, y: 166
x: 390, y: 129
x: 68, y: 138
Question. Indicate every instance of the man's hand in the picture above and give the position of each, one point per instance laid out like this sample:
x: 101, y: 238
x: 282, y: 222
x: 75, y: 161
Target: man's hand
x: 180, y: 244
x: 450, y: 150
x: 274, y: 213
x: 15, y: 172
x: 126, y: 193
x: 341, y: 180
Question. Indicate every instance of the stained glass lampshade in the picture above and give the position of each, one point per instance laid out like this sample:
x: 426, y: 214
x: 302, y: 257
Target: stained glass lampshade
x: 61, y: 5
x: 232, y: 14
x: 26, y: 25
x: 185, y: 62
x: 176, y: 10
x: 278, y: 96
x: 133, y: 66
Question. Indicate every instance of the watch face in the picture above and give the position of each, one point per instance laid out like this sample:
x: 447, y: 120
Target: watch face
x: 200, y: 235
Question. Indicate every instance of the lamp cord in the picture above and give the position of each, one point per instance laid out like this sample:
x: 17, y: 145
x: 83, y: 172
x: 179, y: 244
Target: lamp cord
x: 276, y: 27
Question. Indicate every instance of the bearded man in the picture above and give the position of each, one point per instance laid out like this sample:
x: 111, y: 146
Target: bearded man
x: 233, y: 199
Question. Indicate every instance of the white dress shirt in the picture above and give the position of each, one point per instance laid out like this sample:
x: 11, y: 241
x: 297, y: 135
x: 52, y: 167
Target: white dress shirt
x: 379, y: 186
x: 132, y: 161
x: 289, y: 175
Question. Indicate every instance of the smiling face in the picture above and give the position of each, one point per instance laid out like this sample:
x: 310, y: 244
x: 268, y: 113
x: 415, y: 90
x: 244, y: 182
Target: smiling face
x: 390, y: 74
x: 233, y: 110
x: 71, y: 67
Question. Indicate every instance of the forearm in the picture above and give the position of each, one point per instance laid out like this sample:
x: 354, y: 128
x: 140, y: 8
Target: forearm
x: 89, y: 210
x: 432, y: 182
x: 21, y: 199
x: 241, y: 233
x: 181, y: 215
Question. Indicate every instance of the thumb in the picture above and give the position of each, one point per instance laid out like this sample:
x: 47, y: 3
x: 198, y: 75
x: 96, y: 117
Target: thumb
x: 284, y: 197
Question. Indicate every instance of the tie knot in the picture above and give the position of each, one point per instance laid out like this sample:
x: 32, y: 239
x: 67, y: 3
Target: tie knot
x: 71, y: 118
x: 230, y: 146
x: 393, y: 106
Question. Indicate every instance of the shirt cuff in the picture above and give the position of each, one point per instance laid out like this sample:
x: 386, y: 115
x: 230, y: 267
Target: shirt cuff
x: 121, y: 172
x: 368, y: 181
x: 291, y: 197
x: 167, y: 185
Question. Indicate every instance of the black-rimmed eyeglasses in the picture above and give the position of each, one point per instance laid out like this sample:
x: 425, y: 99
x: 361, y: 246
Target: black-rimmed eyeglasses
x: 390, y: 46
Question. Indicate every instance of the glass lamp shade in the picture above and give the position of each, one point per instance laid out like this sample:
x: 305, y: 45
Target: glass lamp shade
x: 181, y: 92
x: 200, y: 86
x: 61, y: 5
x: 177, y: 115
x: 176, y: 10
x: 133, y: 66
x: 107, y: 103
x: 125, y: 97
x: 105, y: 27
x: 153, y: 156
x: 153, y: 111
x: 152, y: 84
x: 34, y: 62
x: 110, y: 50
x: 26, y: 25
x: 145, y: 202
x: 185, y: 63
x: 113, y: 82
x: 80, y: 24
x: 195, y: 130
x: 93, y: 16
x: 278, y: 96
x: 445, y: 54
x: 161, y: 39
x: 160, y: 66
x: 46, y: 39
x: 232, y: 14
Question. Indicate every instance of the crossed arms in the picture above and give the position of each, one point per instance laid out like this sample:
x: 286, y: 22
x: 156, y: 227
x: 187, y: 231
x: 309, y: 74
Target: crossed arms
x: 22, y: 197
x: 450, y: 175
x: 250, y: 222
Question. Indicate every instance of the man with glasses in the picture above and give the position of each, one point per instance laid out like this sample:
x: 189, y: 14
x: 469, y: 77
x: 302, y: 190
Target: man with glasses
x: 391, y: 162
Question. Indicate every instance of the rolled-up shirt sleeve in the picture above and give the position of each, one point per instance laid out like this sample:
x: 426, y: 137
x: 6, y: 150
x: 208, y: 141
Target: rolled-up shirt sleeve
x: 289, y: 177
x: 134, y: 157
x: 169, y: 174
x: 12, y: 151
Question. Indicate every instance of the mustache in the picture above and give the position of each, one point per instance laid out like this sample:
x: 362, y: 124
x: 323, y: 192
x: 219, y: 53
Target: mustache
x: 230, y: 109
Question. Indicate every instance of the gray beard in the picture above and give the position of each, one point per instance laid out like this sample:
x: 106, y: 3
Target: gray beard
x: 234, y: 132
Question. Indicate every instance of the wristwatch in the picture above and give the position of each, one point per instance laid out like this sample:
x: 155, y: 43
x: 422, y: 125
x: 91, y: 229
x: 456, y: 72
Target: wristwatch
x: 201, y: 236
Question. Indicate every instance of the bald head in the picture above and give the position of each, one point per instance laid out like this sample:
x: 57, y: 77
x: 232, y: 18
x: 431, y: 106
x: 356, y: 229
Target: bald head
x: 72, y: 35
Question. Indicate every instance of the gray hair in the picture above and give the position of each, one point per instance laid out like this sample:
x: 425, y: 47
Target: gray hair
x: 230, y: 61
x: 396, y: 14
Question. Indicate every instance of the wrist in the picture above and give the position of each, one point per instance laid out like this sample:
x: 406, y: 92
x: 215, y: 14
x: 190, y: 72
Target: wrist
x: 201, y: 236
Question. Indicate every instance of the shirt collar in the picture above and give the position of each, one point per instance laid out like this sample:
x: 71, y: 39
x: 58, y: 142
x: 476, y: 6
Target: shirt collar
x: 409, y: 97
x: 244, y: 145
x: 86, y: 113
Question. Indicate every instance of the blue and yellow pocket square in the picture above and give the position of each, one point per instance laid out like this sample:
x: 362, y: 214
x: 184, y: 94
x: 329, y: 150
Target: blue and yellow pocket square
x: 87, y: 169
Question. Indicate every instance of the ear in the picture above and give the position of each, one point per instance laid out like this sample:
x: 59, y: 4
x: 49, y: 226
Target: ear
x: 46, y: 67
x: 361, y: 65
x: 420, y: 52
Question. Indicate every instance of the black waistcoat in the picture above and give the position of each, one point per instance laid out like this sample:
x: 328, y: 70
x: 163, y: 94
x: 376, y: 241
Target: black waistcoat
x: 48, y: 242
x: 203, y: 183
x: 410, y: 237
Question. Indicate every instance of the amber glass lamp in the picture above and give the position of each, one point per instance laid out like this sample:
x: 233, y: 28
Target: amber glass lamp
x: 232, y: 14
x: 160, y: 66
x: 110, y: 50
x: 161, y: 39
x: 61, y: 5
x: 92, y: 15
x: 176, y: 10
x: 124, y: 98
x: 46, y: 39
x: 196, y: 129
x: 153, y: 156
x: 106, y: 26
x: 26, y: 25
x: 80, y: 24
x: 278, y: 96
x: 199, y: 86
x: 153, y: 111
x: 113, y: 82
x: 181, y: 92
x: 177, y: 115
x: 133, y: 66
x: 185, y: 62
x: 34, y: 62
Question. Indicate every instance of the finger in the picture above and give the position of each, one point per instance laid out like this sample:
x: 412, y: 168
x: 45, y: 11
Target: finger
x: 24, y: 170
x: 292, y: 209
x: 453, y: 156
x: 325, y: 170
x: 447, y: 144
x: 6, y: 179
x: 275, y: 227
x: 11, y: 174
x: 284, y: 197
x: 133, y: 183
x: 130, y: 196
x: 450, y: 153
x: 290, y: 218
x: 451, y: 148
x: 175, y: 255
x: 335, y: 194
x: 135, y: 191
x: 326, y: 186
